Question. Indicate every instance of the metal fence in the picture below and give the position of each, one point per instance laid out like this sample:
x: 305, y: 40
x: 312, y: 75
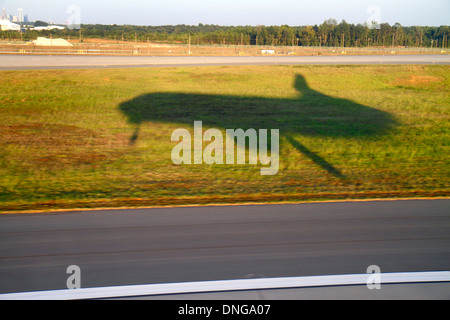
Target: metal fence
x: 130, y: 49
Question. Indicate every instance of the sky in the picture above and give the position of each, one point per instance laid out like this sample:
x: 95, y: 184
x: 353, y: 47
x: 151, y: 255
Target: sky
x: 233, y: 12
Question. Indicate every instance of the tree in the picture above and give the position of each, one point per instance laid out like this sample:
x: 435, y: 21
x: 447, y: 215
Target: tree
x: 307, y: 35
x: 39, y: 23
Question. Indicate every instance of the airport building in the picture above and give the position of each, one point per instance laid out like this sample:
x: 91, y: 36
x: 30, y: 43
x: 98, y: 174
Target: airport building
x: 50, y: 27
x: 6, y: 25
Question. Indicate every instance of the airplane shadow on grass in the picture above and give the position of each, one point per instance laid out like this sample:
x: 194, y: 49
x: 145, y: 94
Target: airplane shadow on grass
x: 310, y: 114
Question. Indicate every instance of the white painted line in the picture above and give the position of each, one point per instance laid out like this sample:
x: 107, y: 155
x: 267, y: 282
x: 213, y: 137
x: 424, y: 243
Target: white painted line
x: 226, y: 285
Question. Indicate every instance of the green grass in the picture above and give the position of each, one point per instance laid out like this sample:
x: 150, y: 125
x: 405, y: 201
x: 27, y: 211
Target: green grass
x: 346, y: 132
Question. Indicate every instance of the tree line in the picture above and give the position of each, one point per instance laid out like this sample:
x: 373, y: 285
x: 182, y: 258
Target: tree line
x: 330, y: 33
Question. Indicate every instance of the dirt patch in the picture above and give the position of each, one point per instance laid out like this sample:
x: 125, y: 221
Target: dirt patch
x: 416, y: 80
x: 71, y: 159
x: 59, y: 136
x: 57, y: 146
x: 48, y: 135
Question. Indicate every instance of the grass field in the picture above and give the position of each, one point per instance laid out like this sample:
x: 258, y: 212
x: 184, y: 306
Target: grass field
x: 102, y: 138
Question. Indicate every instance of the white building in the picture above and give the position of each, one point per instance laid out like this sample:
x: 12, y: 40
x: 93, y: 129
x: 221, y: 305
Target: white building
x: 6, y: 25
x: 49, y: 28
x: 20, y: 16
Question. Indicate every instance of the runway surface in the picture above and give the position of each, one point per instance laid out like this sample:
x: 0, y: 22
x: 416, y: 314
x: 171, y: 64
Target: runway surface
x: 167, y: 245
x: 32, y: 62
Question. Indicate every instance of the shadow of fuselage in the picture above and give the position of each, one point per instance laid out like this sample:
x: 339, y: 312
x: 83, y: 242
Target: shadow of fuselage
x: 310, y: 114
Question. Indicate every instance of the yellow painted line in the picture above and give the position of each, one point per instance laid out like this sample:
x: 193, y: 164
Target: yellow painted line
x: 217, y: 205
